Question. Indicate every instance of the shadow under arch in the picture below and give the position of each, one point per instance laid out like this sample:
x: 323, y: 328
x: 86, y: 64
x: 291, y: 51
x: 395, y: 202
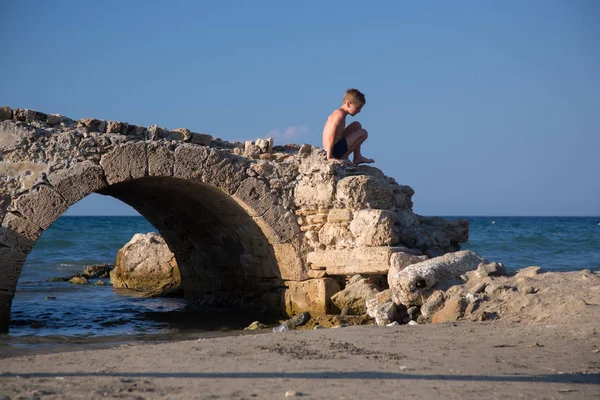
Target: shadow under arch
x: 223, y: 255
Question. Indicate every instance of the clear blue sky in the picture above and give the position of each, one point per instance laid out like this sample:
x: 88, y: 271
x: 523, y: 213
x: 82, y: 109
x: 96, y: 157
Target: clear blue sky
x: 483, y: 108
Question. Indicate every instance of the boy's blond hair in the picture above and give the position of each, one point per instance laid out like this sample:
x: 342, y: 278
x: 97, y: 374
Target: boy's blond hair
x: 354, y: 96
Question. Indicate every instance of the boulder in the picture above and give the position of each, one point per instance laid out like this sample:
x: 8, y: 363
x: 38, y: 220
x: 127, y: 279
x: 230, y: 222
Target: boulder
x: 490, y: 269
x: 414, y: 284
x: 355, y: 296
x: 433, y: 304
x: 382, y: 308
x: 97, y: 271
x: 146, y: 264
x: 453, y: 310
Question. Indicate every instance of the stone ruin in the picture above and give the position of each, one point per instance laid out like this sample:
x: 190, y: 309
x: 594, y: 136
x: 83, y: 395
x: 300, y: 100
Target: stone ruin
x: 276, y: 227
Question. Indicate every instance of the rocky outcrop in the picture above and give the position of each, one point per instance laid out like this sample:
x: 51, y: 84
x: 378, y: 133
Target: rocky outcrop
x: 248, y: 222
x: 146, y: 264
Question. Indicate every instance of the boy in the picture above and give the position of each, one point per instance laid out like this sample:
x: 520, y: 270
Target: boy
x: 340, y: 140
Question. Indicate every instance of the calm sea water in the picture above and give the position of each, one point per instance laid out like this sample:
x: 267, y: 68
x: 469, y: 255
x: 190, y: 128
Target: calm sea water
x: 53, y: 313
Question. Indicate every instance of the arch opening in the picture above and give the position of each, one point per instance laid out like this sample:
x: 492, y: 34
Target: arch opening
x: 224, y: 257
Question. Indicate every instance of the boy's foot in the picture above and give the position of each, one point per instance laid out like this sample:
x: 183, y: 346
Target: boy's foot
x: 363, y: 160
x: 342, y: 161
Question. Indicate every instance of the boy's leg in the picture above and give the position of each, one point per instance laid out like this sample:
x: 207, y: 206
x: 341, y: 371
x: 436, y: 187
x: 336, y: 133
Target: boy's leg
x: 355, y: 135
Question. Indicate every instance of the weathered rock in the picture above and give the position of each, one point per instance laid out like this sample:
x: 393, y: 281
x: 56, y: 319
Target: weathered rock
x: 374, y: 228
x: 145, y: 263
x: 5, y: 113
x: 433, y: 304
x: 490, y: 269
x: 363, y: 191
x: 256, y: 325
x: 42, y: 205
x: 401, y: 260
x: 78, y: 280
x: 125, y: 163
x: 371, y: 260
x: 78, y: 181
x: 415, y: 283
x: 14, y: 136
x: 453, y: 310
x: 312, y: 295
x: 97, y: 271
x: 382, y: 308
x: 355, y: 296
x: 529, y: 272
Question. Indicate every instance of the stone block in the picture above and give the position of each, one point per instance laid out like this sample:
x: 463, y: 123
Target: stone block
x: 336, y: 235
x: 92, y: 124
x: 161, y: 159
x: 183, y: 134
x: 11, y: 264
x: 125, y: 163
x: 114, y: 127
x: 374, y: 227
x: 339, y: 215
x: 289, y: 262
x: 255, y: 196
x: 201, y: 139
x: 225, y: 171
x: 364, y: 191
x: 41, y: 205
x: 313, y: 295
x: 314, y: 192
x: 189, y: 161
x: 354, y: 297
x: 78, y: 181
x: 415, y: 283
x: 18, y: 233
x: 282, y: 223
x: 401, y: 260
x: 5, y: 113
x: 362, y: 260
x: 155, y: 132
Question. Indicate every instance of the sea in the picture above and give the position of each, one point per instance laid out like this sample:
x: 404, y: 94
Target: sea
x: 54, y: 315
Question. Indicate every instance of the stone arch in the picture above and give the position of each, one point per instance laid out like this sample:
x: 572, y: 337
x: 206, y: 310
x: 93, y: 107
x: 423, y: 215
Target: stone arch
x: 231, y: 237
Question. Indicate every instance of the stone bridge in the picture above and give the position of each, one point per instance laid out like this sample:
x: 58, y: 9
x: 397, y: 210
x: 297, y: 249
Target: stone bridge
x: 276, y: 227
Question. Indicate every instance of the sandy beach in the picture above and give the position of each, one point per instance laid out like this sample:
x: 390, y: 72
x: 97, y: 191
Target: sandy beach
x: 474, y: 360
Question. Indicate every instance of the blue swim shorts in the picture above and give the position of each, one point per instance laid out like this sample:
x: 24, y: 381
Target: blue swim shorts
x: 340, y: 148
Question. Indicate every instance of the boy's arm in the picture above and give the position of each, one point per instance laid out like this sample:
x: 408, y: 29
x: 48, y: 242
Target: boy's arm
x: 331, y: 127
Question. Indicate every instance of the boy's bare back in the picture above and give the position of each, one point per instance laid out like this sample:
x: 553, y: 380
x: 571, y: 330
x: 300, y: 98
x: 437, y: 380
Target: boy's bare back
x: 339, y: 140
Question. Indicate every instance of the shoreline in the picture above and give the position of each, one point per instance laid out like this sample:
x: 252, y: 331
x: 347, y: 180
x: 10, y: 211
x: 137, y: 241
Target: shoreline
x: 451, y: 360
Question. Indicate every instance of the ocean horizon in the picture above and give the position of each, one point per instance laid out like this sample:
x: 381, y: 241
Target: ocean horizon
x: 51, y: 313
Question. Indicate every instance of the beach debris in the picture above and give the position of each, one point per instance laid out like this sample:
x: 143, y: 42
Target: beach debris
x: 256, y: 325
x: 413, y: 323
x: 395, y: 323
x: 294, y: 322
x: 292, y: 393
x: 414, y: 284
